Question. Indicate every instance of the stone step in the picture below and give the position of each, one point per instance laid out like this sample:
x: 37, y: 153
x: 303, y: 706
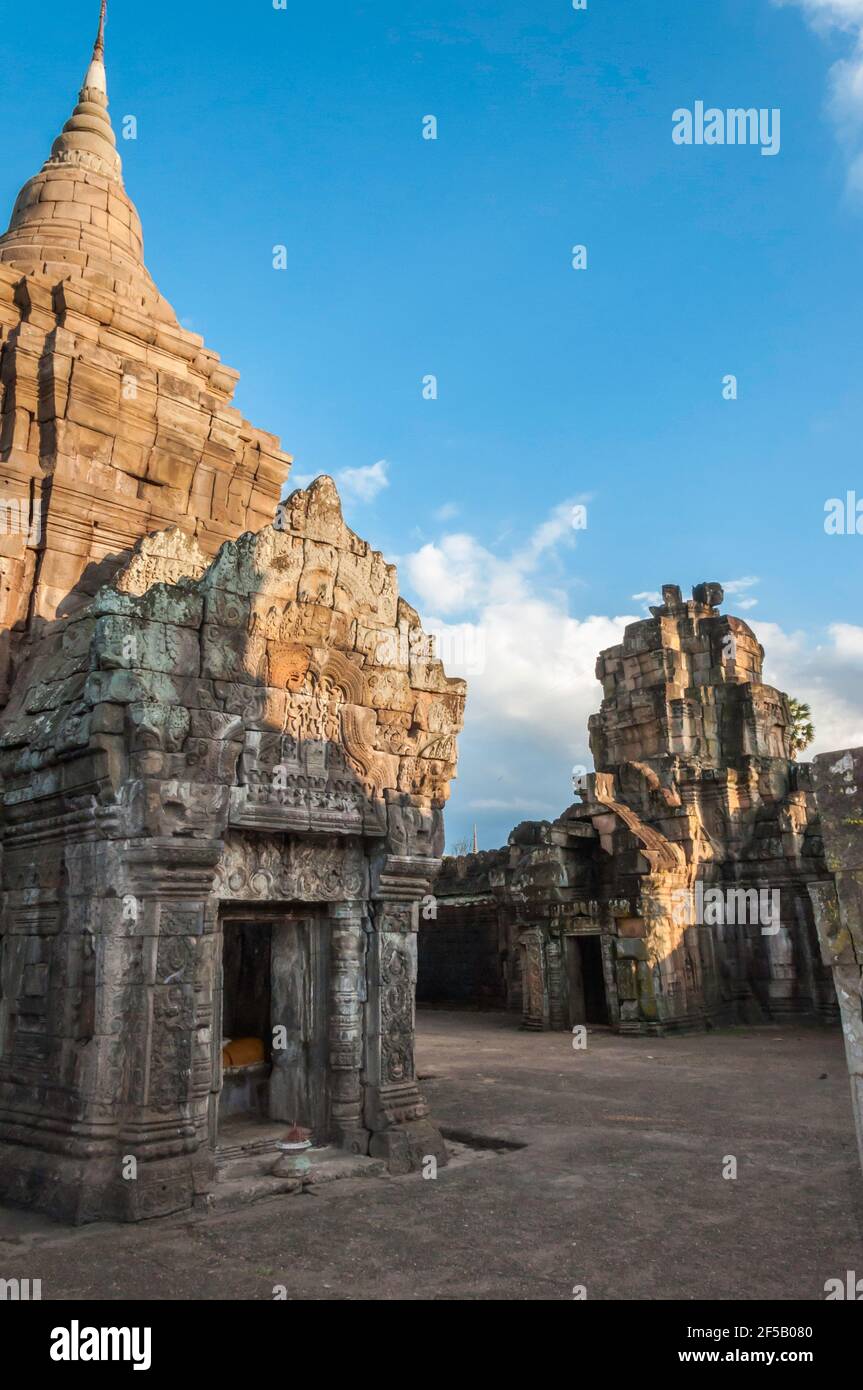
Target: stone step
x: 330, y: 1164
x: 230, y: 1193
x: 253, y: 1171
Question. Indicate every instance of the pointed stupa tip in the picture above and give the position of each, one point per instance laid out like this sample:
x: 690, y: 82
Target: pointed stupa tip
x: 87, y: 138
x: 96, y: 80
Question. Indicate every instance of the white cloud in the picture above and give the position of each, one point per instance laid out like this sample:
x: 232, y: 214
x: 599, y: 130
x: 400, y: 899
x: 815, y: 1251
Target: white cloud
x: 446, y: 512
x: 737, y: 599
x: 457, y: 574
x: 363, y: 484
x: 845, y: 14
x: 530, y: 666
x: 826, y: 672
x: 649, y: 599
x: 845, y: 101
x: 296, y: 480
x: 354, y: 484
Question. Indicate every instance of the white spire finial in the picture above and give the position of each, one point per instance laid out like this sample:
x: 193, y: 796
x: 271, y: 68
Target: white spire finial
x: 87, y: 138
x: 96, y: 81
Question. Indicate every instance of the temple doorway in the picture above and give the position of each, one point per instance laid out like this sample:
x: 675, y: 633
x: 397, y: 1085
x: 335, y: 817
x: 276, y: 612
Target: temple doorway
x: 588, y: 1002
x: 273, y: 1065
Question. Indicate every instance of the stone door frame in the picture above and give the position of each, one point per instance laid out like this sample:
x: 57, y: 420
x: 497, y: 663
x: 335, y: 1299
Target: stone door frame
x: 228, y: 910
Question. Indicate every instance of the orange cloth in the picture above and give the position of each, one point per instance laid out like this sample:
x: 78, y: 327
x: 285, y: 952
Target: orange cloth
x: 243, y: 1052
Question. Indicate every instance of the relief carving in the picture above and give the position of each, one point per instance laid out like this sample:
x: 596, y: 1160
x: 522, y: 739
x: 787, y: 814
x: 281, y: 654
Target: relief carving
x: 280, y: 869
x: 397, y: 1014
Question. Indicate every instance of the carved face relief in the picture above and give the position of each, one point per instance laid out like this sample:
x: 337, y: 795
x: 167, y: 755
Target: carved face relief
x: 289, y: 665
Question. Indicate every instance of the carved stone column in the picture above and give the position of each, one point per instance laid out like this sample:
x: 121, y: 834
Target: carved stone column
x: 556, y: 1002
x: 395, y: 1110
x: 347, y: 998
x: 534, y: 982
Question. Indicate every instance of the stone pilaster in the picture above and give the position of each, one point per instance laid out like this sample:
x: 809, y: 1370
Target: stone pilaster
x: 170, y: 921
x: 838, y: 905
x: 395, y: 1110
x: 347, y: 998
x: 534, y: 980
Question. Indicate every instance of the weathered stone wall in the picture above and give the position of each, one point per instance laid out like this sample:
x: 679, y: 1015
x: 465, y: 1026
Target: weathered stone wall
x: 838, y: 902
x: 271, y: 728
x: 461, y: 960
x: 112, y: 426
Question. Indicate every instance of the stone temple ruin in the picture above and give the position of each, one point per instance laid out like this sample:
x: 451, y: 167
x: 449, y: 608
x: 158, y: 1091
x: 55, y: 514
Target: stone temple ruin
x: 610, y: 914
x: 225, y: 747
x: 688, y: 886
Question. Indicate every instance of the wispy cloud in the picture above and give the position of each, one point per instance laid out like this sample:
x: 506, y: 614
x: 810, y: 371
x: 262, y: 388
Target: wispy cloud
x: 737, y: 597
x: 648, y: 599
x: 354, y: 484
x: 446, y: 512
x: 363, y: 484
x: 501, y: 621
x: 845, y: 100
x: 458, y: 574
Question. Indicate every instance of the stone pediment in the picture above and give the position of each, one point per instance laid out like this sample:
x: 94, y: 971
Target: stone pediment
x: 284, y: 686
x: 163, y: 557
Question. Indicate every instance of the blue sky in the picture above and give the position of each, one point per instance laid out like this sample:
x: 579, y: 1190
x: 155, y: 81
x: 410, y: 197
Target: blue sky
x: 409, y: 257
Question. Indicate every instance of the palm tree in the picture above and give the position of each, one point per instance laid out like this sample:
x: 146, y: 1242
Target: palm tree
x: 802, y: 730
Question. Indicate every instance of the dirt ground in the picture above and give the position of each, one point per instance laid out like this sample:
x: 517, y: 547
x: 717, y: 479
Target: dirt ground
x: 617, y: 1185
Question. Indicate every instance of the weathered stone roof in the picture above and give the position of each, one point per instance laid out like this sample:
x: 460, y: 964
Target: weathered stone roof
x: 74, y: 218
x: 284, y: 685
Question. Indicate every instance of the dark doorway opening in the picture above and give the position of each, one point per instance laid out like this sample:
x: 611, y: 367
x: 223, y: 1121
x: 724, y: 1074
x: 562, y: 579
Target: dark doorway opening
x: 588, y: 1002
x: 274, y: 1062
x: 246, y: 1027
x: 247, y: 980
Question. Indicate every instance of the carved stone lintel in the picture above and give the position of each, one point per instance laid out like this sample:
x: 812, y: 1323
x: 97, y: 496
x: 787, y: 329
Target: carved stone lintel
x: 256, y: 867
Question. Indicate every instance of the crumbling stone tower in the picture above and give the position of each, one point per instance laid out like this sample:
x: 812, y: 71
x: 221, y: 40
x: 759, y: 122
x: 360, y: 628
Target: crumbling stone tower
x: 694, y: 790
x: 220, y: 720
x: 690, y: 740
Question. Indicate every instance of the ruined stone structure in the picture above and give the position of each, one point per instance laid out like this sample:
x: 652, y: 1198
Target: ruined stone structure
x: 674, y: 893
x: 225, y: 745
x: 838, y: 901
